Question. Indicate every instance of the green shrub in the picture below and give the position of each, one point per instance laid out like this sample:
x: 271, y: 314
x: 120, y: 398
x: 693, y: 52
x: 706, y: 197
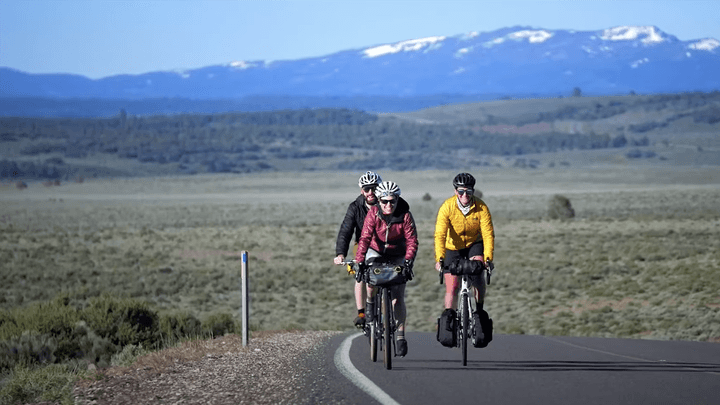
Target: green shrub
x: 219, y: 324
x: 55, y: 317
x: 90, y: 346
x: 27, y: 349
x: 54, y: 331
x: 109, y: 330
x: 45, y: 333
x: 175, y: 327
x: 123, y: 321
x: 32, y: 348
x: 128, y: 355
x: 560, y: 208
x: 51, y: 383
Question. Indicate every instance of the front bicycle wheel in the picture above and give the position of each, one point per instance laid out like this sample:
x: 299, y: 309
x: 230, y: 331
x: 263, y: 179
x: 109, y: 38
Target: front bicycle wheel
x: 387, y: 332
x: 464, y: 327
x: 374, y: 338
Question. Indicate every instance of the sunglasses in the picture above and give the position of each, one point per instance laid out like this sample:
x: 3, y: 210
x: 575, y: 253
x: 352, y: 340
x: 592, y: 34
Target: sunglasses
x: 391, y: 202
x: 369, y: 188
x: 463, y: 191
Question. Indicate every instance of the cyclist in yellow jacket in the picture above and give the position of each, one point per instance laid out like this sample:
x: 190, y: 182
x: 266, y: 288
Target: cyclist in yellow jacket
x: 464, y: 229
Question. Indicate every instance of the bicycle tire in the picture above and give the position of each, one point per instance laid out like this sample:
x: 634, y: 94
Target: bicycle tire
x: 374, y: 339
x: 387, y: 332
x: 464, y: 329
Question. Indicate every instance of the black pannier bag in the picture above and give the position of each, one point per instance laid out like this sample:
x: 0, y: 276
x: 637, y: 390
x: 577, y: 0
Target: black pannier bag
x: 460, y: 266
x: 447, y: 328
x: 483, y: 329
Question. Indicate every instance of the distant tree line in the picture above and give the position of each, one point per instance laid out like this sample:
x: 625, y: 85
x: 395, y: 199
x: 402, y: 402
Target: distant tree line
x: 704, y: 108
x: 248, y: 142
x: 78, y: 108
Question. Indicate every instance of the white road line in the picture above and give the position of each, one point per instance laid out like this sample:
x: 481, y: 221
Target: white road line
x: 598, y: 350
x: 343, y: 363
x: 690, y: 368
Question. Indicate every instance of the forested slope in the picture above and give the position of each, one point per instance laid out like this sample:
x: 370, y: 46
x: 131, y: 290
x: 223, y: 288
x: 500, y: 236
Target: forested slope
x: 340, y: 139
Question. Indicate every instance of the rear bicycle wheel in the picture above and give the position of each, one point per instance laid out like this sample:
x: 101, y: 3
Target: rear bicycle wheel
x: 464, y: 326
x: 387, y: 335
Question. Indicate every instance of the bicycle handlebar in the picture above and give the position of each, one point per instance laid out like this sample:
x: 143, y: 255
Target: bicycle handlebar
x: 351, y: 268
x: 488, y: 266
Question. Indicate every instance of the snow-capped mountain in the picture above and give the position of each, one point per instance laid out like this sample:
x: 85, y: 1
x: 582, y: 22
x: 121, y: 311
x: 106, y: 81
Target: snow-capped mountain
x: 516, y: 61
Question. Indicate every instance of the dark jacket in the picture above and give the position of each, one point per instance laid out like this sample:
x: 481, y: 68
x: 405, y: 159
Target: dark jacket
x: 353, y: 222
x: 393, y: 235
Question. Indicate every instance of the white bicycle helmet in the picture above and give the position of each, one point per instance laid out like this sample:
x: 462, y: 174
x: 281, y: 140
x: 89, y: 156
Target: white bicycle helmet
x: 369, y: 179
x: 387, y: 189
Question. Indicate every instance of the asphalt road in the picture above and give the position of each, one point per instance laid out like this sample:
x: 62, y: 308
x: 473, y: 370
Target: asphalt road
x: 521, y: 369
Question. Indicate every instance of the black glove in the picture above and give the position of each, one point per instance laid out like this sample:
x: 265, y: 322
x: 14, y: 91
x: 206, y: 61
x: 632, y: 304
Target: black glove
x: 490, y: 265
x: 408, y: 270
x: 359, y: 271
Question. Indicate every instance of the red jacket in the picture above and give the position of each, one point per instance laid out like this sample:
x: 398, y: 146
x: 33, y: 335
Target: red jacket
x: 393, y: 235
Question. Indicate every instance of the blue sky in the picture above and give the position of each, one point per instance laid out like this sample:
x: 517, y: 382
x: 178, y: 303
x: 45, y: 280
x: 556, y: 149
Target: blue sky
x: 102, y: 38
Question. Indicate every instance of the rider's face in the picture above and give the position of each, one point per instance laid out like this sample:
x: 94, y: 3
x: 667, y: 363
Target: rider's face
x: 387, y: 205
x: 369, y: 193
x: 464, y: 195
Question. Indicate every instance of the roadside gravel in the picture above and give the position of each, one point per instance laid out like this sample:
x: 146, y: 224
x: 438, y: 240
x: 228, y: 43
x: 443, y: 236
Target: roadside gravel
x: 275, y: 368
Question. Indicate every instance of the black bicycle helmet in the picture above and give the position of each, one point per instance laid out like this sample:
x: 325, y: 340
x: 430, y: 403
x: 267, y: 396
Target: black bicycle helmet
x: 464, y: 180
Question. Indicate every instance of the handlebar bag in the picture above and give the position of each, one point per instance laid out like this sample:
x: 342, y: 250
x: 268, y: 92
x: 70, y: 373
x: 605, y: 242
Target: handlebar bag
x: 385, y: 274
x: 460, y: 266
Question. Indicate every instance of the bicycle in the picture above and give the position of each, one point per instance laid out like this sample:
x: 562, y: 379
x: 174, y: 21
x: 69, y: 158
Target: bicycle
x: 381, y: 326
x: 466, y: 313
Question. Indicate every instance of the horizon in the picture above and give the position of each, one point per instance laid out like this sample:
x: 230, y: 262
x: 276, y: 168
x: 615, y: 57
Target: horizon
x: 130, y: 37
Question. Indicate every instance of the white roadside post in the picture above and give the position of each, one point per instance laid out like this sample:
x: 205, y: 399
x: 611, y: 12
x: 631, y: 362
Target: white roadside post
x: 245, y: 298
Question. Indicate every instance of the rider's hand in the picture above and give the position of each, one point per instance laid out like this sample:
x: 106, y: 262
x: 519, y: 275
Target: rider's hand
x: 359, y: 271
x: 438, y: 266
x: 489, y: 264
x: 339, y: 259
x: 407, y: 270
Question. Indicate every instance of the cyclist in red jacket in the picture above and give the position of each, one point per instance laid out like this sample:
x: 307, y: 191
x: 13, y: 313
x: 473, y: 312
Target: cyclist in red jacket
x: 389, y: 233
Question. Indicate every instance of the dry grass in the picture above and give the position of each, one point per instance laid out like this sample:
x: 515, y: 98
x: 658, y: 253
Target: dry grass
x: 640, y: 235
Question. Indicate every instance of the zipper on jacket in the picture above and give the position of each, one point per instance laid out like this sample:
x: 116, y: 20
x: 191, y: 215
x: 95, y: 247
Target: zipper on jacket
x: 387, y: 232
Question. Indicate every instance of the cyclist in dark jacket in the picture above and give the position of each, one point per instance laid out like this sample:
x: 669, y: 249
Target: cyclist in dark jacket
x: 352, y: 224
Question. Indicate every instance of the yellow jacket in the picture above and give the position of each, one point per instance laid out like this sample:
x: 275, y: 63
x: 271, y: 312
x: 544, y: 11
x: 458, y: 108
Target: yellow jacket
x: 456, y: 231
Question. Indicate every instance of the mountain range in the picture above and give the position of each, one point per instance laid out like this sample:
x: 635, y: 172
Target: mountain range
x: 507, y: 63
